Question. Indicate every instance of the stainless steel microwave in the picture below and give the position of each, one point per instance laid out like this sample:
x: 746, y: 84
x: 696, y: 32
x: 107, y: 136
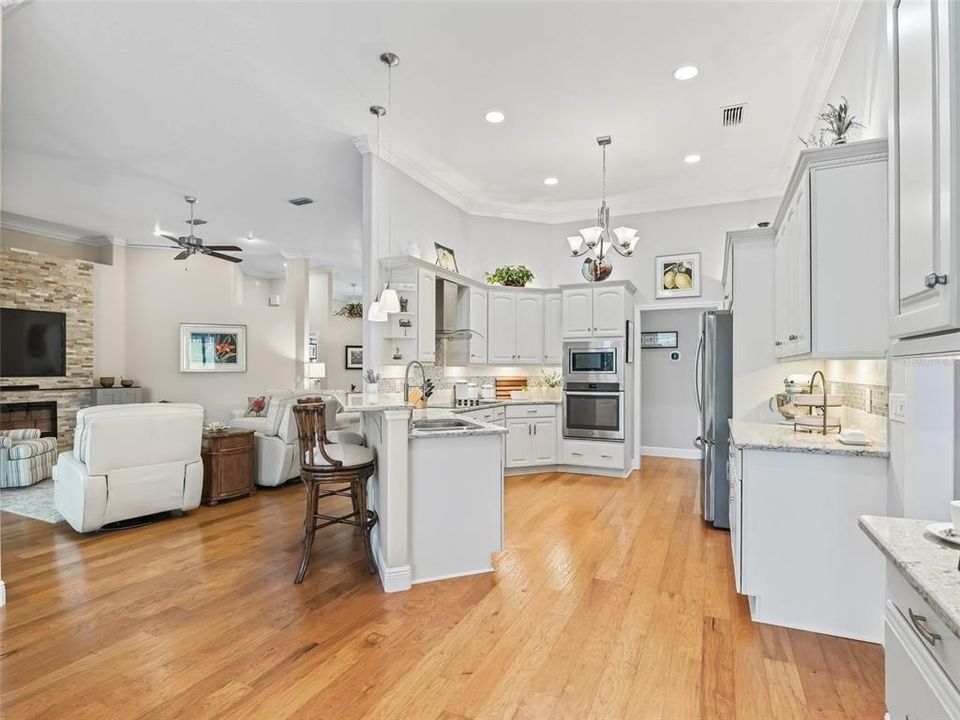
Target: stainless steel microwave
x: 597, y: 361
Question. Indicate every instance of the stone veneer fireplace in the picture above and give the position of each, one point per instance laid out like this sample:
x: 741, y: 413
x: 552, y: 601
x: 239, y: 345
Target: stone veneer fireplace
x: 23, y: 415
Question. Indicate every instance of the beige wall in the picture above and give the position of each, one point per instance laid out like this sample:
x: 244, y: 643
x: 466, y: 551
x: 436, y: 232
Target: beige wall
x: 334, y: 333
x: 56, y: 248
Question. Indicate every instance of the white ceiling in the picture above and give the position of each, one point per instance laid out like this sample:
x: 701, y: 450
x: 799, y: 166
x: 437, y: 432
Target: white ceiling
x: 111, y: 112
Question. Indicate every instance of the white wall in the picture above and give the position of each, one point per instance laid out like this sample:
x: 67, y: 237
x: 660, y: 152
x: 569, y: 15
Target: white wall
x: 863, y: 75
x: 668, y: 403
x: 110, y: 317
x: 333, y: 333
x: 161, y: 294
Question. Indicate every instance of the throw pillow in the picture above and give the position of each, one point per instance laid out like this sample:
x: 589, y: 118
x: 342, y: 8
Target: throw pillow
x: 256, y: 406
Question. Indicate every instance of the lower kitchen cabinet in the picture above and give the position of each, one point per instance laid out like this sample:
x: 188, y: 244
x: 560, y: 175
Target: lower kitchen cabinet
x: 117, y: 396
x: 593, y: 453
x: 532, y: 433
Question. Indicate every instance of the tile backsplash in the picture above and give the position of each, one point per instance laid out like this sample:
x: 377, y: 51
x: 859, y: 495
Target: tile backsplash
x: 871, y: 399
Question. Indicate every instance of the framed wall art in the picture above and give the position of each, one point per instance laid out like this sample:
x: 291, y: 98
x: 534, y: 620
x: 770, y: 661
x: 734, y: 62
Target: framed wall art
x: 213, y: 348
x: 677, y: 276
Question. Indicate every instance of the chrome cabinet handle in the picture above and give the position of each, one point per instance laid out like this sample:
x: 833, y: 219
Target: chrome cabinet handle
x: 919, y: 622
x: 778, y: 344
x: 531, y: 412
x: 529, y: 429
x: 607, y: 457
x: 576, y: 454
x: 932, y: 280
x: 534, y: 429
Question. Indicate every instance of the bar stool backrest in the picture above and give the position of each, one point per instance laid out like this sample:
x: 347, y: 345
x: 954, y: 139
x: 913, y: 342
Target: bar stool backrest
x: 310, y: 414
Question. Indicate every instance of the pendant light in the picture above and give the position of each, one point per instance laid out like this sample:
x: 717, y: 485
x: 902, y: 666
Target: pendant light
x: 389, y: 301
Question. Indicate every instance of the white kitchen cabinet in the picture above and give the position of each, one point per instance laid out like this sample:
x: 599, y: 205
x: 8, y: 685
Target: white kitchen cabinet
x: 515, y: 328
x: 426, y: 316
x: 830, y: 263
x: 577, y: 313
x: 596, y: 311
x: 924, y: 38
x: 530, y: 329
x: 477, y: 322
x: 552, y: 329
x: 593, y: 453
x: 609, y: 311
x: 532, y: 435
x: 502, y: 327
x: 544, y: 444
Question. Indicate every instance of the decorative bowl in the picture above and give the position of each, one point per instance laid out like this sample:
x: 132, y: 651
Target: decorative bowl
x: 126, y: 383
x: 107, y: 381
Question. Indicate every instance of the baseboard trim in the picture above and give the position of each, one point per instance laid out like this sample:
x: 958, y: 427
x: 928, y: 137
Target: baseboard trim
x: 681, y: 453
x: 569, y: 469
x: 3, y: 594
x: 393, y: 579
x: 451, y: 576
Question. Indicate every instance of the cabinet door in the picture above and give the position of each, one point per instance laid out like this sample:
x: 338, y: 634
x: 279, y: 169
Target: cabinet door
x: 530, y: 329
x: 800, y: 328
x: 552, y: 329
x: 426, y: 316
x: 478, y: 323
x: 519, y: 443
x: 609, y: 312
x: 502, y: 327
x: 781, y: 292
x: 544, y: 450
x: 924, y: 299
x: 578, y: 313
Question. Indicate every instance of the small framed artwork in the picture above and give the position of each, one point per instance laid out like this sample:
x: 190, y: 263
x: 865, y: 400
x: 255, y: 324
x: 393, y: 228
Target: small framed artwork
x: 313, y: 353
x: 446, y: 258
x: 658, y: 340
x: 213, y: 348
x: 677, y: 276
x: 353, y: 357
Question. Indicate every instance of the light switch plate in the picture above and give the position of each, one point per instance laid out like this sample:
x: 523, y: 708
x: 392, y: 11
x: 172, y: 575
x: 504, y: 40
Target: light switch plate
x: 898, y: 407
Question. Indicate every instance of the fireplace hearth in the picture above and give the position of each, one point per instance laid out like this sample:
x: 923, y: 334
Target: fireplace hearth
x: 39, y: 415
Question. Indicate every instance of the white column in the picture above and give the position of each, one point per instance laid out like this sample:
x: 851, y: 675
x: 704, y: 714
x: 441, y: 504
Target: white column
x: 370, y: 258
x: 387, y: 432
x: 297, y: 297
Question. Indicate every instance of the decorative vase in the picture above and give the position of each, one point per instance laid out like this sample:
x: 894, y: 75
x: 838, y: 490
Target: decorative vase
x: 371, y: 388
x: 107, y: 381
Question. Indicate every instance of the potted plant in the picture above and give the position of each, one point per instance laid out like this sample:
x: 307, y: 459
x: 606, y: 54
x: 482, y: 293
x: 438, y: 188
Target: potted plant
x: 552, y: 383
x: 371, y: 382
x: 510, y: 275
x: 838, y: 121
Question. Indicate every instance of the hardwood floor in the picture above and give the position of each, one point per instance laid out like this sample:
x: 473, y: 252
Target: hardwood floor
x: 612, y: 600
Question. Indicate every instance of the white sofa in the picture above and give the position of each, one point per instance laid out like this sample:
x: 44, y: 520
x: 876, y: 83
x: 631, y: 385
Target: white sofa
x: 129, y: 461
x: 275, y: 434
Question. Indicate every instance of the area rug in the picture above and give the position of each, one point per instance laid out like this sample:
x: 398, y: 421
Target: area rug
x: 33, y: 501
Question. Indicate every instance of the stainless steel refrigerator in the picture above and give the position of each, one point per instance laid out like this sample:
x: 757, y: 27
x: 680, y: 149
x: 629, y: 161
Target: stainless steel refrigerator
x: 714, y: 388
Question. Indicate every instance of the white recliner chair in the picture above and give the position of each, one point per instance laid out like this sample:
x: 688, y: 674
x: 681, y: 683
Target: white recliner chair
x: 275, y: 435
x: 129, y: 461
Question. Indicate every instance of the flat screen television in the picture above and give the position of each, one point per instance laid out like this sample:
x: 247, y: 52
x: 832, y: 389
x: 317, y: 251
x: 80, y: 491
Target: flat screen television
x: 33, y: 343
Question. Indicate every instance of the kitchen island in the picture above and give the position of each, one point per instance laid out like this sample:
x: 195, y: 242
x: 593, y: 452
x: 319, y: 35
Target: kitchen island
x: 437, y: 490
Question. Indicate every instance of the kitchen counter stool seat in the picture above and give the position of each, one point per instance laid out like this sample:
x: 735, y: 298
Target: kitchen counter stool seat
x: 329, y: 469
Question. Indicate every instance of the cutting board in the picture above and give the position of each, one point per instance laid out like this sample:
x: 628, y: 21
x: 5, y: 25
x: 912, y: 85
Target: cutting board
x: 505, y: 385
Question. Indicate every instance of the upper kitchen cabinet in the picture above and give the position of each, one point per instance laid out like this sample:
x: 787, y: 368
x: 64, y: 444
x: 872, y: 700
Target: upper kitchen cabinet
x: 924, y: 51
x: 426, y: 316
x: 477, y: 322
x: 830, y: 264
x: 596, y: 311
x: 552, y: 329
x: 516, y: 327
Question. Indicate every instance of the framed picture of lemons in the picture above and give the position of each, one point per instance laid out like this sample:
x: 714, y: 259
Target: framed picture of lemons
x: 677, y: 276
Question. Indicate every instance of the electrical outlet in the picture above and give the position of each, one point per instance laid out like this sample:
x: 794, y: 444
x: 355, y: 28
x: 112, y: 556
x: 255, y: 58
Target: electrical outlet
x: 898, y: 407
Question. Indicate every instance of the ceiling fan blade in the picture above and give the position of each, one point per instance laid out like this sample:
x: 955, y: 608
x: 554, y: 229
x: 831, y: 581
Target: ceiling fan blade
x: 232, y: 248
x: 221, y: 256
x: 171, y: 238
x: 182, y: 255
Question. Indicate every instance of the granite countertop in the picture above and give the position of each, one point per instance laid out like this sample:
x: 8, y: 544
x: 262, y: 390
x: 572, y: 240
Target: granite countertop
x: 371, y: 402
x: 490, y: 404
x: 768, y: 436
x: 925, y: 561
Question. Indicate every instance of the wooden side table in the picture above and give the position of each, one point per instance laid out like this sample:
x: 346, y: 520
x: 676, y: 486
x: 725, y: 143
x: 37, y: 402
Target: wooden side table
x: 228, y: 465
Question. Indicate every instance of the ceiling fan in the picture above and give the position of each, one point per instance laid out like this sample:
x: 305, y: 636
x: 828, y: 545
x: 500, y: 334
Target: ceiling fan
x: 193, y: 245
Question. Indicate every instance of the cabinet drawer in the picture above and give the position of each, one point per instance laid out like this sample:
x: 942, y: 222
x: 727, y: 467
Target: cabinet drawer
x: 490, y: 415
x: 945, y: 650
x: 529, y: 411
x: 592, y: 454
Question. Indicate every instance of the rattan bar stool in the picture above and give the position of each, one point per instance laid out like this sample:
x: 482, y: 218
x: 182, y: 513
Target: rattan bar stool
x: 331, y: 469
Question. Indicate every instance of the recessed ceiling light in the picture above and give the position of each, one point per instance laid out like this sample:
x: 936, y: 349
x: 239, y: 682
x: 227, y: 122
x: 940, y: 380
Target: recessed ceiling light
x: 494, y: 116
x: 550, y: 181
x: 686, y: 72
x: 284, y: 264
x: 251, y: 239
x: 691, y: 159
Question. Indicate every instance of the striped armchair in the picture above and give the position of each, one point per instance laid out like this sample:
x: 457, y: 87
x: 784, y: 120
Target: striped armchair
x: 25, y: 457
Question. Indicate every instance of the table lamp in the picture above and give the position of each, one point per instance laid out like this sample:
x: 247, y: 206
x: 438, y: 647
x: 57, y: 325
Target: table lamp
x: 313, y: 372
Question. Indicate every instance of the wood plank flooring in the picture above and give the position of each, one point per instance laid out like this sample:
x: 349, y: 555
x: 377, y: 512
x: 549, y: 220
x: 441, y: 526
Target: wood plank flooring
x: 612, y: 599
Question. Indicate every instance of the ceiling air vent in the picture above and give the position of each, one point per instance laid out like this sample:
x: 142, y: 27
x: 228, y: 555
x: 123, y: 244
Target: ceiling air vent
x: 298, y: 201
x: 733, y: 115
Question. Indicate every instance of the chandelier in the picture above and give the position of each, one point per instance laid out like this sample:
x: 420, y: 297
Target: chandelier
x: 600, y: 238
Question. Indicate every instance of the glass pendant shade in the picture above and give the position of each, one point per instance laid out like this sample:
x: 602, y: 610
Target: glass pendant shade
x: 625, y: 235
x: 591, y: 236
x: 376, y: 313
x: 389, y: 301
x: 575, y: 243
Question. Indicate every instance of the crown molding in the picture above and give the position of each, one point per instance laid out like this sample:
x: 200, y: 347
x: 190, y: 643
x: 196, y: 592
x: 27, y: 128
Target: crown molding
x: 57, y: 231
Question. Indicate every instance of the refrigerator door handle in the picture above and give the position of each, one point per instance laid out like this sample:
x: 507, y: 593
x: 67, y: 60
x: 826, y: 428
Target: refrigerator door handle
x: 697, y: 375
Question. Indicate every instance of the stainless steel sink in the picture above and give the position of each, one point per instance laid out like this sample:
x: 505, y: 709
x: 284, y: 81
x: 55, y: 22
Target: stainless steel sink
x: 443, y: 424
